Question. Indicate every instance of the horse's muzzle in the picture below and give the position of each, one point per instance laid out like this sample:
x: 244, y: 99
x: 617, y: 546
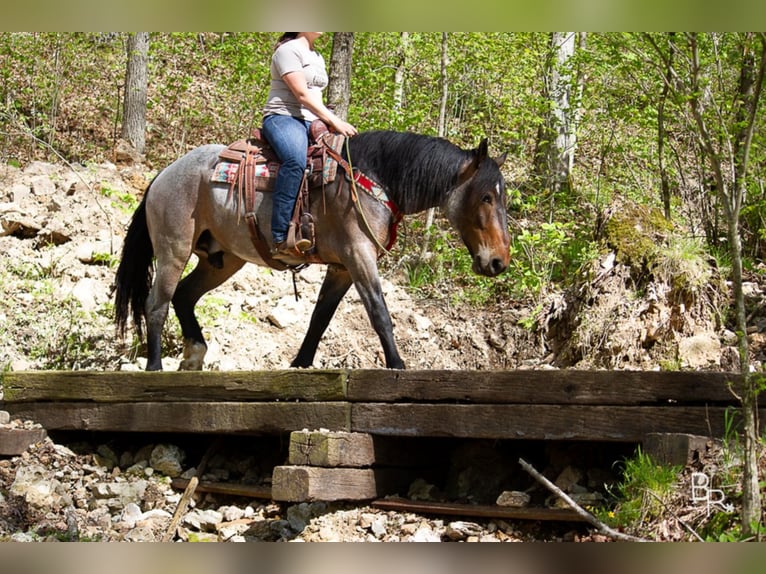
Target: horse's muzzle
x: 490, y: 266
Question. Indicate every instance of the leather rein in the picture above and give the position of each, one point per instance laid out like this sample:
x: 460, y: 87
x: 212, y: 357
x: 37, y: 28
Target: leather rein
x: 356, y: 177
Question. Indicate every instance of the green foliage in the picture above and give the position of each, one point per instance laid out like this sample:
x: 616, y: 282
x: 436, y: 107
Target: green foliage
x: 639, y: 495
x: 682, y: 263
x: 124, y: 201
x: 64, y: 89
x: 635, y: 232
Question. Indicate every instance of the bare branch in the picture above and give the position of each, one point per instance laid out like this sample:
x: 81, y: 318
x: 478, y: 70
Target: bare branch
x: 587, y: 516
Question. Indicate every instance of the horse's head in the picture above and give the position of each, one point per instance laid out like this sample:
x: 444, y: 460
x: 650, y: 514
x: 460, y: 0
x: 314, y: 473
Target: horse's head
x: 477, y: 210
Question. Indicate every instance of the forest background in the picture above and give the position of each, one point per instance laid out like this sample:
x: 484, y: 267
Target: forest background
x: 605, y: 124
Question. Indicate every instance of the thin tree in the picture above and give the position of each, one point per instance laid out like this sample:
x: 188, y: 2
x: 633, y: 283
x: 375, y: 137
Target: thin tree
x: 441, y: 127
x: 136, y: 80
x: 339, y: 88
x: 557, y: 138
x: 725, y: 134
x: 401, y: 69
x: 662, y: 132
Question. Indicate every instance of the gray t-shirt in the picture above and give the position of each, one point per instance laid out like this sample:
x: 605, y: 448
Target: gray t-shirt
x: 294, y: 56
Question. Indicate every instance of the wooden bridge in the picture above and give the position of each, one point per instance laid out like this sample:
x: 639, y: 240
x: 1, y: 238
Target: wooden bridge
x: 621, y: 406
x: 341, y: 421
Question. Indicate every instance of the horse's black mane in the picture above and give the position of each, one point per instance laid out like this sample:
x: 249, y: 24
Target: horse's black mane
x: 416, y: 170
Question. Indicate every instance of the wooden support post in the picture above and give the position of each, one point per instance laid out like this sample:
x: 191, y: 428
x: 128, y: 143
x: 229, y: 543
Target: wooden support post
x: 331, y: 449
x: 676, y: 448
x: 309, y: 483
x: 14, y: 441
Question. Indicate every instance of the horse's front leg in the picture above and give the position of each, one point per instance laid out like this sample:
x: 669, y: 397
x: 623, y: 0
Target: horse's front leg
x: 336, y: 284
x: 364, y: 272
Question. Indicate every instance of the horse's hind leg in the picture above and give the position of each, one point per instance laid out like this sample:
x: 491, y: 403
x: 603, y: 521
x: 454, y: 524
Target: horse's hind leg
x: 336, y: 284
x: 205, y: 277
x: 169, y: 269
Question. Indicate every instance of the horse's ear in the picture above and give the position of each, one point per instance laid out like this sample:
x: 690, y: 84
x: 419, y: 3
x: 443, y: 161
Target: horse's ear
x: 500, y: 160
x: 471, y: 166
x: 482, y: 151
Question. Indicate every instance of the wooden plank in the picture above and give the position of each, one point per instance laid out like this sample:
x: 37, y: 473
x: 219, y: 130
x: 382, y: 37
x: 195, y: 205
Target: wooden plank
x: 542, y: 387
x: 546, y: 422
x: 309, y: 483
x: 378, y: 385
x: 119, y: 386
x: 331, y: 449
x: 477, y: 510
x: 14, y: 441
x: 189, y: 417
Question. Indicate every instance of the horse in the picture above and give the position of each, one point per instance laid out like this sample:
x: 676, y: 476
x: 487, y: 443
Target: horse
x: 184, y: 212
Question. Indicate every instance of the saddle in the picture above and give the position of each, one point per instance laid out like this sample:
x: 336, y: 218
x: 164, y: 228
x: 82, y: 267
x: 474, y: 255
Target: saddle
x: 250, y: 165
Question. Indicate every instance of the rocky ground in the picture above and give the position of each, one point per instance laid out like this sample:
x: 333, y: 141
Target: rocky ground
x: 61, y: 229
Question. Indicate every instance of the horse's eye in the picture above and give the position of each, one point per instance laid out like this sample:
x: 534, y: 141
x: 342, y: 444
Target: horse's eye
x: 487, y: 198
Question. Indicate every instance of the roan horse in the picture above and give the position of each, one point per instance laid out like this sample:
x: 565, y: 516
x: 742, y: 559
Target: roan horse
x: 183, y: 211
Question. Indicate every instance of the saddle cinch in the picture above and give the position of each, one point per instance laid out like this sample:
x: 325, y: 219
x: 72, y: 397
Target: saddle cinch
x: 249, y: 165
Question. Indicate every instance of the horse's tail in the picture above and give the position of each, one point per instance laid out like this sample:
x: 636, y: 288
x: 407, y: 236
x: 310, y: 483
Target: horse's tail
x: 134, y: 274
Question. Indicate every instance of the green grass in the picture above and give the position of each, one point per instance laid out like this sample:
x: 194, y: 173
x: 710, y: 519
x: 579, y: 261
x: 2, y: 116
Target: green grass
x: 638, y: 497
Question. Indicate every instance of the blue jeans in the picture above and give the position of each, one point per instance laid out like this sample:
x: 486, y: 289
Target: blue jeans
x: 289, y: 137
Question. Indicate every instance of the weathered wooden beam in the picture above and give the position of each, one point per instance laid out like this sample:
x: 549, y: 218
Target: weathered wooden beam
x: 186, y: 417
x: 119, y: 386
x: 14, y: 441
x: 310, y: 483
x: 545, y: 422
x: 677, y: 448
x: 331, y: 449
x: 543, y: 387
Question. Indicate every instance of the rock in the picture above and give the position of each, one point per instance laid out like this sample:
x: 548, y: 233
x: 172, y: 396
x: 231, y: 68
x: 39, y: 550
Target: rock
x: 42, y: 186
x: 203, y: 520
x: 299, y: 515
x: 19, y: 192
x: 119, y: 494
x: 167, y: 459
x: 422, y: 490
x: 568, y: 478
x: 126, y: 154
x: 285, y: 313
x: 36, y: 485
x: 425, y: 534
x: 513, y: 498
x: 699, y: 351
x: 461, y: 530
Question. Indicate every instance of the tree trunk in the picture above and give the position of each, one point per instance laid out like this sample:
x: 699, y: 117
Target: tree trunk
x: 661, y: 132
x: 441, y: 130
x: 401, y: 69
x: 339, y: 88
x: 562, y: 159
x: 557, y: 139
x: 731, y: 196
x: 134, y: 110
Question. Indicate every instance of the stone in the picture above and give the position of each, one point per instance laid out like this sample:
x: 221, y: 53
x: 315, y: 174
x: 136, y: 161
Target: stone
x: 167, y: 459
x: 700, y: 351
x: 38, y: 487
x: 513, y: 498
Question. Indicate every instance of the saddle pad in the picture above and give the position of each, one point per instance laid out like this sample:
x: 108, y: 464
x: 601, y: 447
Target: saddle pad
x: 226, y: 171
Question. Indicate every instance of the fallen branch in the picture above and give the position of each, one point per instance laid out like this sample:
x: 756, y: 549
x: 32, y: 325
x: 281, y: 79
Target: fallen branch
x: 180, y: 509
x: 587, y: 516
